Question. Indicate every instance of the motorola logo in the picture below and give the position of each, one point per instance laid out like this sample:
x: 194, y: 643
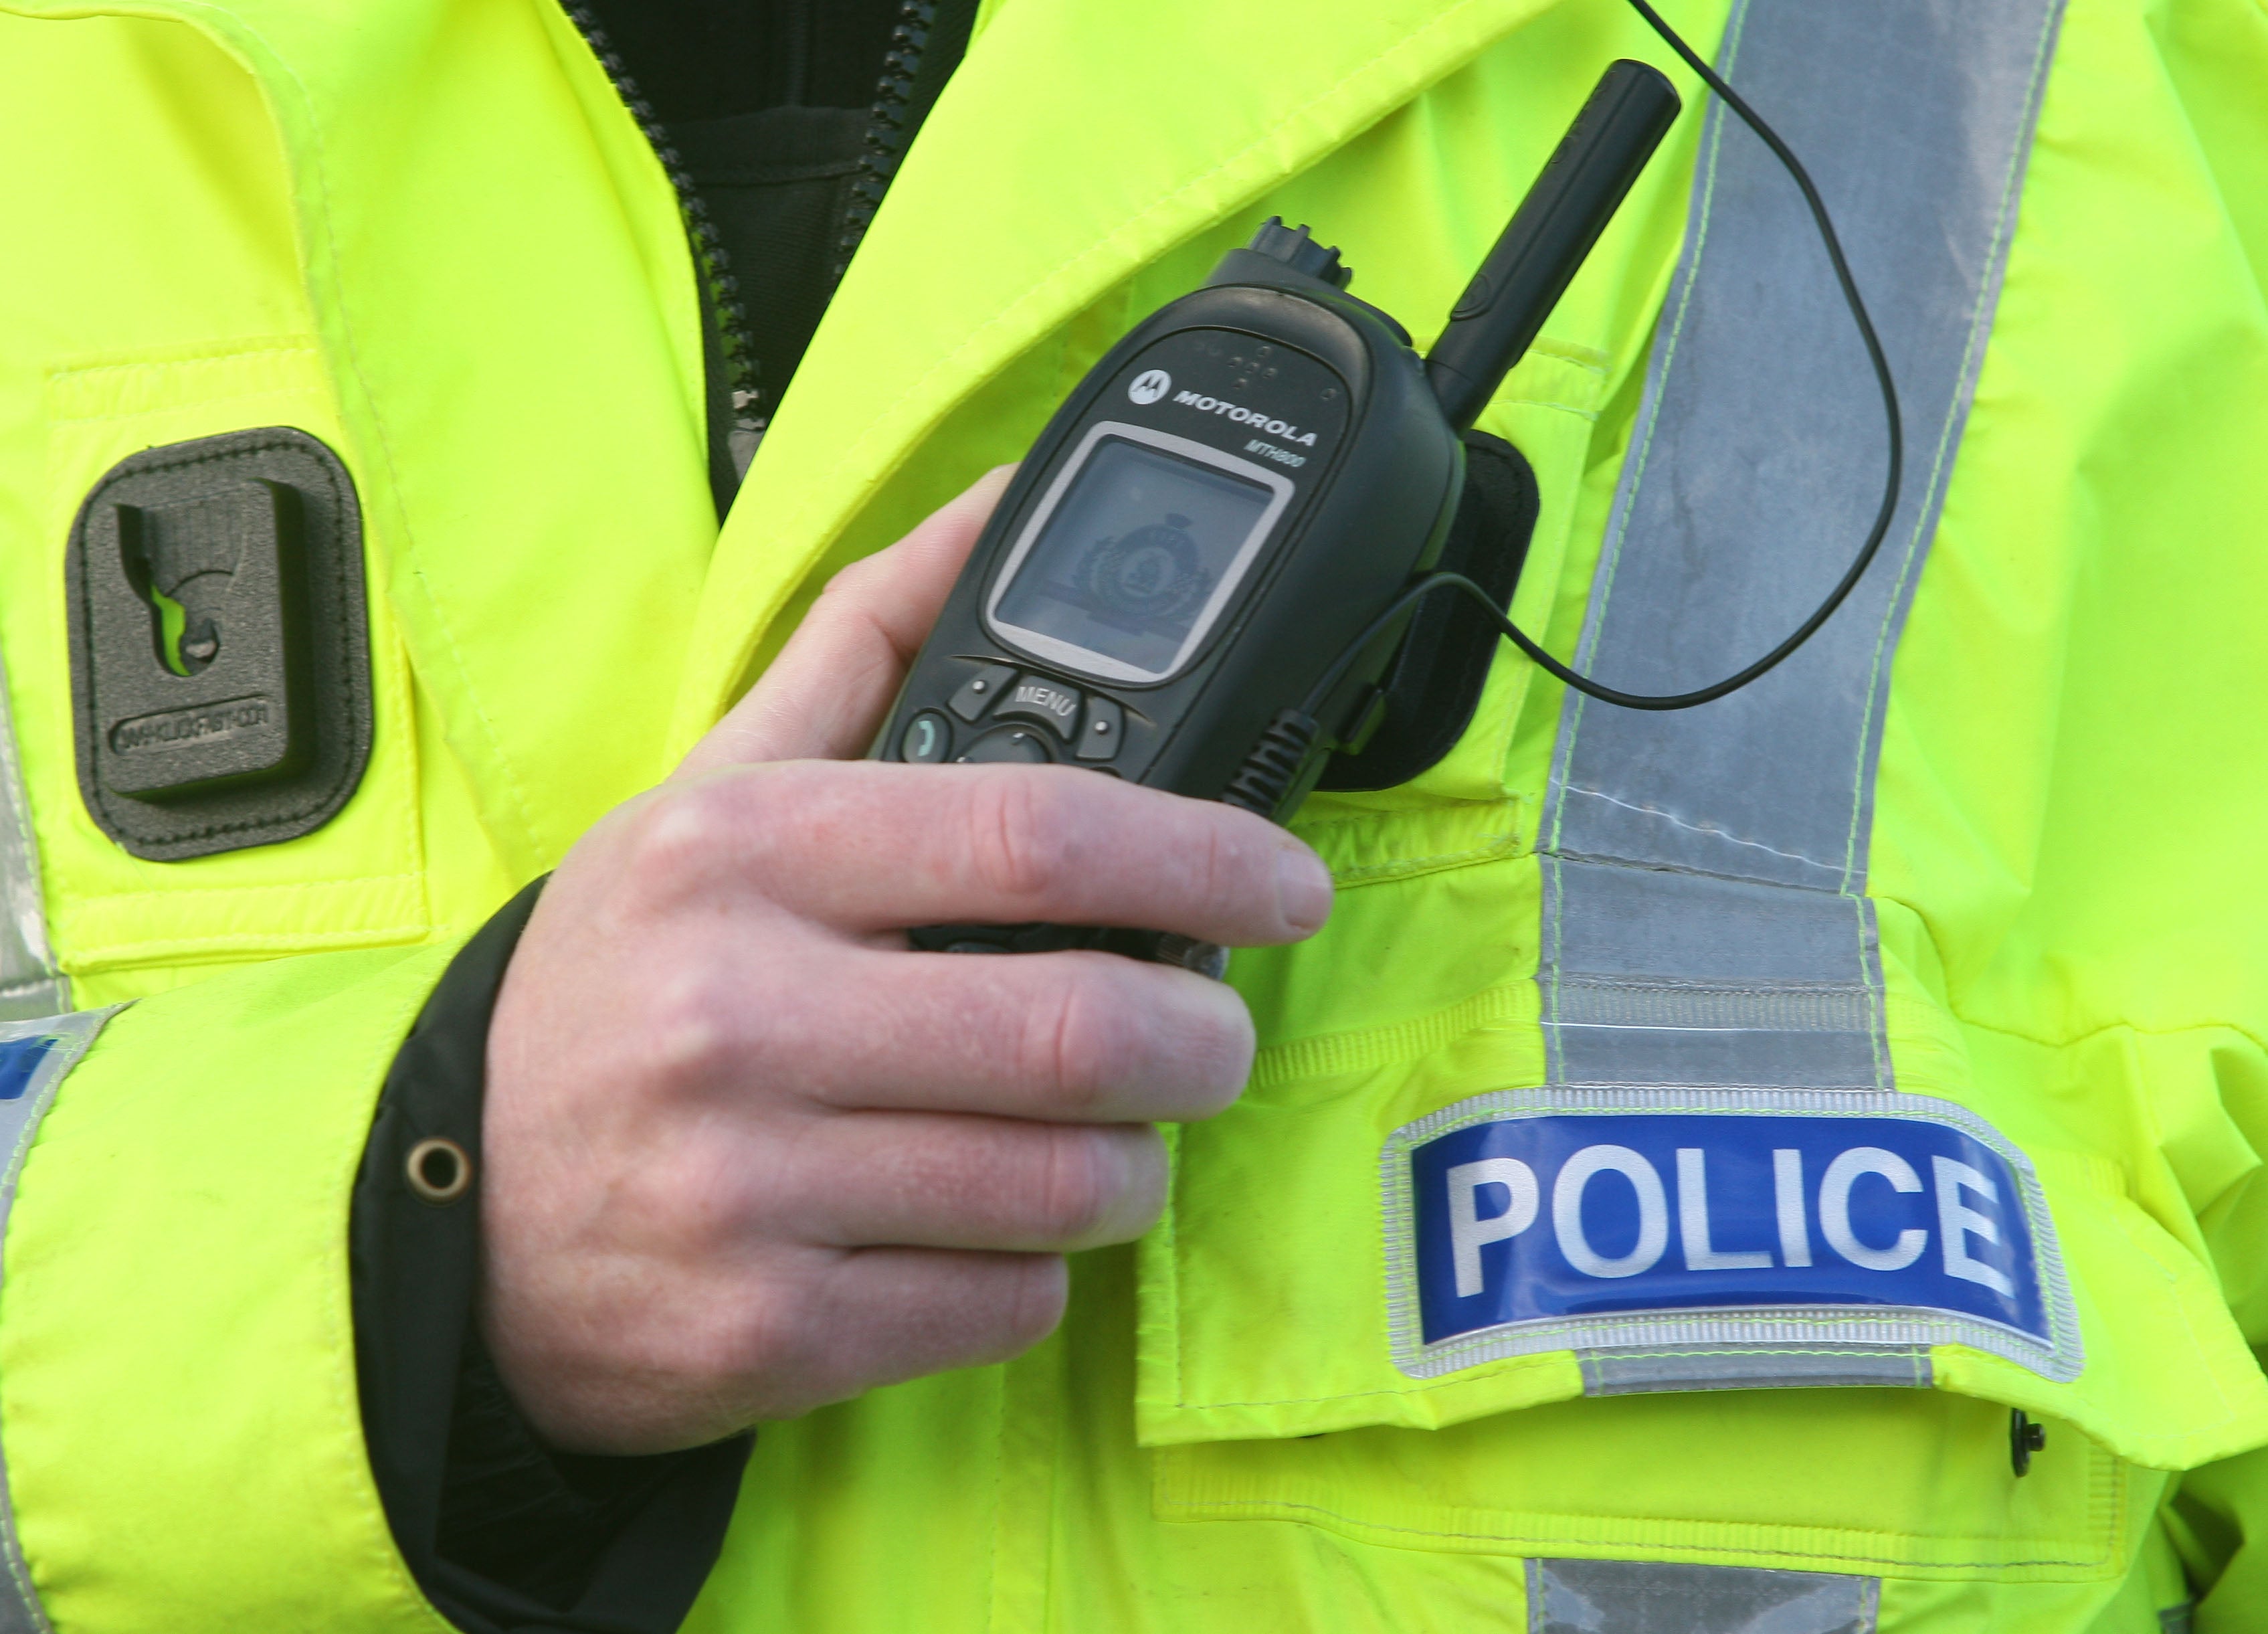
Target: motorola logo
x: 1149, y: 385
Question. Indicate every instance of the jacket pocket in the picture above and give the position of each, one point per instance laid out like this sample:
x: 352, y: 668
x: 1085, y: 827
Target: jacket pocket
x: 1399, y: 1226
x: 1903, y: 1483
x: 117, y: 920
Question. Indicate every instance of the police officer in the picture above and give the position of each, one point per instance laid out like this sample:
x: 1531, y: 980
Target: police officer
x: 1783, y: 1166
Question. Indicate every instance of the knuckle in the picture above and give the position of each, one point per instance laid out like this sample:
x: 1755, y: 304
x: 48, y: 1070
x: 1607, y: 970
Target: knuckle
x: 692, y: 1036
x: 1038, y: 1292
x: 1082, y: 1182
x: 1020, y: 837
x: 677, y: 838
x: 1083, y: 1043
x: 718, y: 1352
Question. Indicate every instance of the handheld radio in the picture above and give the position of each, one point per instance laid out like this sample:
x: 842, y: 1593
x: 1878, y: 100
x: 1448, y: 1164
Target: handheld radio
x: 1223, y: 513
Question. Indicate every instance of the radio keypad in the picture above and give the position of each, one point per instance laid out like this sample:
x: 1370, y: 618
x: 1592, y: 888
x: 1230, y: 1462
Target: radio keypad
x: 1091, y: 726
x: 1016, y: 747
x: 928, y: 739
x: 1105, y: 728
x: 982, y: 691
x: 1052, y: 706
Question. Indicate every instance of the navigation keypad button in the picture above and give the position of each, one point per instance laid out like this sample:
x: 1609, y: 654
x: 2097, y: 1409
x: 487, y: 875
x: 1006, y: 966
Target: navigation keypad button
x: 981, y: 691
x: 1016, y: 747
x: 1105, y: 728
x: 927, y: 740
x: 1052, y: 706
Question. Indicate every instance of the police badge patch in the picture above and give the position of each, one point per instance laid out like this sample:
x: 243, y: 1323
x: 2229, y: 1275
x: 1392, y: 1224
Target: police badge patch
x: 1747, y: 1221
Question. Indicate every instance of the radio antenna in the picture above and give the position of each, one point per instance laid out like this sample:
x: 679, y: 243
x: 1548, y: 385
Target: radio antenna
x: 1622, y: 122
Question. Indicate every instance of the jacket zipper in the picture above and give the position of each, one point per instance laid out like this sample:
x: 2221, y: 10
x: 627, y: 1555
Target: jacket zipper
x: 728, y: 349
x: 888, y: 127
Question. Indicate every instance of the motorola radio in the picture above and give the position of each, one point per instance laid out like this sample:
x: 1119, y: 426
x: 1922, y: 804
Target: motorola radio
x: 1201, y: 573
x: 1197, y: 579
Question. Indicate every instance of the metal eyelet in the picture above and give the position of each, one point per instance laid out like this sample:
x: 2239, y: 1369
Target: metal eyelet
x: 440, y: 1171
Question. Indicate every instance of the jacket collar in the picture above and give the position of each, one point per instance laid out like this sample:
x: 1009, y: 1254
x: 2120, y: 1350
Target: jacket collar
x: 1076, y: 142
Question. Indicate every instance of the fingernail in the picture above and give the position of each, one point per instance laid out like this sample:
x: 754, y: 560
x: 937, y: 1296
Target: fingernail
x: 1303, y: 888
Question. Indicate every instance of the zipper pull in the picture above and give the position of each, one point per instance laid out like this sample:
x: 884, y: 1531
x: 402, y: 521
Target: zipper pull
x: 749, y: 424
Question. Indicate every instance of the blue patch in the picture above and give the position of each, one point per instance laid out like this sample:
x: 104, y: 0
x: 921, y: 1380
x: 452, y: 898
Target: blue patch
x: 1610, y: 1220
x: 19, y: 1059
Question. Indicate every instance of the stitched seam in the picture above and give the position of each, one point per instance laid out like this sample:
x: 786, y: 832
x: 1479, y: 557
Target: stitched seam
x: 1729, y: 51
x: 2255, y: 1039
x: 1587, y: 358
x: 1355, y: 819
x: 1987, y: 290
x: 1544, y: 402
x: 240, y: 892
x: 1611, y: 551
x: 1602, y: 859
x: 1490, y: 1007
x: 378, y: 420
x: 1697, y: 1549
x: 203, y: 398
x: 58, y: 378
x: 1709, y: 829
x: 1875, y: 987
x: 1943, y: 1327
x: 1664, y: 984
x: 1492, y: 847
x: 144, y: 365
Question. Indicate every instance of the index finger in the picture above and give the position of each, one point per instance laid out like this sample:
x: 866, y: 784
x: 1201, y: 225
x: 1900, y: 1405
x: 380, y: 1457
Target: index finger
x: 824, y: 695
x: 871, y: 846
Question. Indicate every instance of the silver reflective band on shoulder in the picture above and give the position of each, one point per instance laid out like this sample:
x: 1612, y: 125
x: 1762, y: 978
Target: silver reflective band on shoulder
x: 34, y: 1057
x: 1705, y: 922
x: 1647, y: 1597
x: 29, y: 984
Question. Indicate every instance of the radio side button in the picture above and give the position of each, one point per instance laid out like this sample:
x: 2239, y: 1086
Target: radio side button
x: 1106, y: 725
x: 1053, y: 706
x: 981, y: 691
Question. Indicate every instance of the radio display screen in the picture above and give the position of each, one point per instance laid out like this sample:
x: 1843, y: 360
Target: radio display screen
x: 1135, y: 557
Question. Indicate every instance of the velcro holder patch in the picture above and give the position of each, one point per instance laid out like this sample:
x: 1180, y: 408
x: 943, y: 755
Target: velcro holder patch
x: 1749, y: 1221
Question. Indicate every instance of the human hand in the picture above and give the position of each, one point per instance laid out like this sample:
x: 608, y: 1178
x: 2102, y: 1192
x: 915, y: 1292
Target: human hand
x: 745, y: 1154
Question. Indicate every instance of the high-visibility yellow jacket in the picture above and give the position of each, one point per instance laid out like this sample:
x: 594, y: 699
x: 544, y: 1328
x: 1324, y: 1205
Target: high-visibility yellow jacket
x: 1986, y: 877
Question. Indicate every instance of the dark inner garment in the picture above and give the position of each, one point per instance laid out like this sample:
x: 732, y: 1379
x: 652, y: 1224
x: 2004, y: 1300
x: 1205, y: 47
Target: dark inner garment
x: 768, y: 103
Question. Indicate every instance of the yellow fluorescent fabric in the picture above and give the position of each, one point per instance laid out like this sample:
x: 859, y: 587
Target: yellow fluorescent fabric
x: 425, y: 230
x: 179, y: 1409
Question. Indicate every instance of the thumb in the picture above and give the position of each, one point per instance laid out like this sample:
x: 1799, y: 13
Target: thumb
x: 824, y: 697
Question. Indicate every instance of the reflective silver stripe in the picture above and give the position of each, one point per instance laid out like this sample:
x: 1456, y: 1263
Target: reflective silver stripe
x: 29, y: 984
x: 1701, y: 1367
x: 1704, y: 920
x: 1650, y: 1597
x: 51, y: 1047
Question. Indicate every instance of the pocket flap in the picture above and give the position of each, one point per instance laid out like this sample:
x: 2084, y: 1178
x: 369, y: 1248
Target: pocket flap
x: 1386, y: 1247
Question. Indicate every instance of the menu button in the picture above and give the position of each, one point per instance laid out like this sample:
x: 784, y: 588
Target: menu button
x: 1043, y: 701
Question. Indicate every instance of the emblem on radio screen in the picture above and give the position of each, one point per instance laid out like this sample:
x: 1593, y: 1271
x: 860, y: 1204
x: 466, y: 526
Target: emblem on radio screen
x: 1149, y: 385
x: 1152, y: 572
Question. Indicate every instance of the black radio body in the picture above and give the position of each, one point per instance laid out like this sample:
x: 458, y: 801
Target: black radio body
x: 1200, y: 574
x: 1228, y: 499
